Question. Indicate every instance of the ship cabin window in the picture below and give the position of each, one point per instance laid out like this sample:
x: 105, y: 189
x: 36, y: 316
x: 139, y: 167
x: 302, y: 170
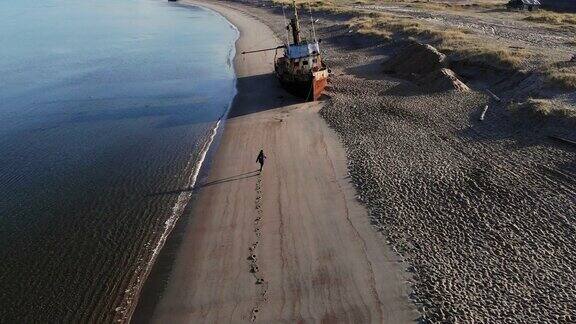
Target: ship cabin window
x: 305, y: 63
x: 314, y: 60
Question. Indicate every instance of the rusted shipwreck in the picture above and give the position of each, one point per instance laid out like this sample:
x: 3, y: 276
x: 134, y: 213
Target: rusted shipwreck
x: 300, y: 69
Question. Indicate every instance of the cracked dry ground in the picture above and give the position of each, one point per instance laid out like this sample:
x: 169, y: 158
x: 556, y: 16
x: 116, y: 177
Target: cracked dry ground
x: 484, y: 212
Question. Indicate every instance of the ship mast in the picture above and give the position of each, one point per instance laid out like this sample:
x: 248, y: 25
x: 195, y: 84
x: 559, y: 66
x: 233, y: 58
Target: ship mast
x: 295, y: 25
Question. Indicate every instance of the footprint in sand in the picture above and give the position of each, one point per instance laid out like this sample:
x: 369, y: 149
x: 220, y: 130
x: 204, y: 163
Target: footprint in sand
x: 253, y: 265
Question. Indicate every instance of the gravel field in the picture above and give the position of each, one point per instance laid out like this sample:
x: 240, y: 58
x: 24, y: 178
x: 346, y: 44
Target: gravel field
x: 483, y: 211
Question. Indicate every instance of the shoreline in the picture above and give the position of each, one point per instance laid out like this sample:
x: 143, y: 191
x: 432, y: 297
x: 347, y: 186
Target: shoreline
x: 184, y: 200
x: 261, y: 106
x: 167, y: 238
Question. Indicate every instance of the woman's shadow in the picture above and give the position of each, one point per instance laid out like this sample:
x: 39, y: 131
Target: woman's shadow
x: 237, y: 177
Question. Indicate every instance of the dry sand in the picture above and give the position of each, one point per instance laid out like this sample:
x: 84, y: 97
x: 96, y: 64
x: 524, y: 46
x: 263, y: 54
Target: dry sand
x: 292, y: 243
x: 483, y: 211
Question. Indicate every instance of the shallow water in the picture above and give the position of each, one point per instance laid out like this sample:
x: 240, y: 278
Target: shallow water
x: 105, y: 107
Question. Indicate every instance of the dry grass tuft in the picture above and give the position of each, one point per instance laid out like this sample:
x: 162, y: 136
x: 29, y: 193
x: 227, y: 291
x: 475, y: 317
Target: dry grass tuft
x: 448, y: 5
x: 543, y: 109
x: 458, y: 42
x: 369, y: 26
x: 319, y: 5
x: 562, y: 74
x: 552, y: 18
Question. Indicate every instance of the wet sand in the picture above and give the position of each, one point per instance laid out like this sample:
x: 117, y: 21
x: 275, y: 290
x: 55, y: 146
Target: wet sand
x: 289, y: 244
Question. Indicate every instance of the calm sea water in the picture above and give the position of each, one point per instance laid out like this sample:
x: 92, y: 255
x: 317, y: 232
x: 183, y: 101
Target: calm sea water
x: 106, y: 107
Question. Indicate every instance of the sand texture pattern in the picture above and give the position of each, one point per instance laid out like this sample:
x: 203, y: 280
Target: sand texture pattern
x: 291, y: 244
x: 487, y: 224
x: 482, y: 209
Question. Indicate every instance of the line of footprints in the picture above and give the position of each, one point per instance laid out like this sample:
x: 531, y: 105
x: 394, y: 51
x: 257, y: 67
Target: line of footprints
x: 252, y: 258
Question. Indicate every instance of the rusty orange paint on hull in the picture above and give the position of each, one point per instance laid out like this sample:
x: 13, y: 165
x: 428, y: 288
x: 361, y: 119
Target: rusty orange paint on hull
x: 318, y: 87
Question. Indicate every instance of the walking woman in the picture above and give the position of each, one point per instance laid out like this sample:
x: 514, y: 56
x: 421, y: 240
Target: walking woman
x: 260, y: 159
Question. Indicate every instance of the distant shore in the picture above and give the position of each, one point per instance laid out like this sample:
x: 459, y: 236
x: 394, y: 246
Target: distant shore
x: 283, y: 244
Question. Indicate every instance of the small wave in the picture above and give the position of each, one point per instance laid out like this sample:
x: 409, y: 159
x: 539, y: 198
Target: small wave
x: 125, y: 311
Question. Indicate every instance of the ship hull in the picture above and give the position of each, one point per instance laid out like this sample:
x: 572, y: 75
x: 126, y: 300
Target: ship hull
x: 320, y: 81
x: 310, y: 89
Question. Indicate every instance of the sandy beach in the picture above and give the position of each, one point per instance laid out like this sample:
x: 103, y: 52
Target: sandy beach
x: 474, y: 196
x: 434, y: 182
x: 292, y: 243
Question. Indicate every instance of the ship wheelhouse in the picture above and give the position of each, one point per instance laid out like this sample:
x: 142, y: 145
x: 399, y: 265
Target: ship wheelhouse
x: 304, y: 57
